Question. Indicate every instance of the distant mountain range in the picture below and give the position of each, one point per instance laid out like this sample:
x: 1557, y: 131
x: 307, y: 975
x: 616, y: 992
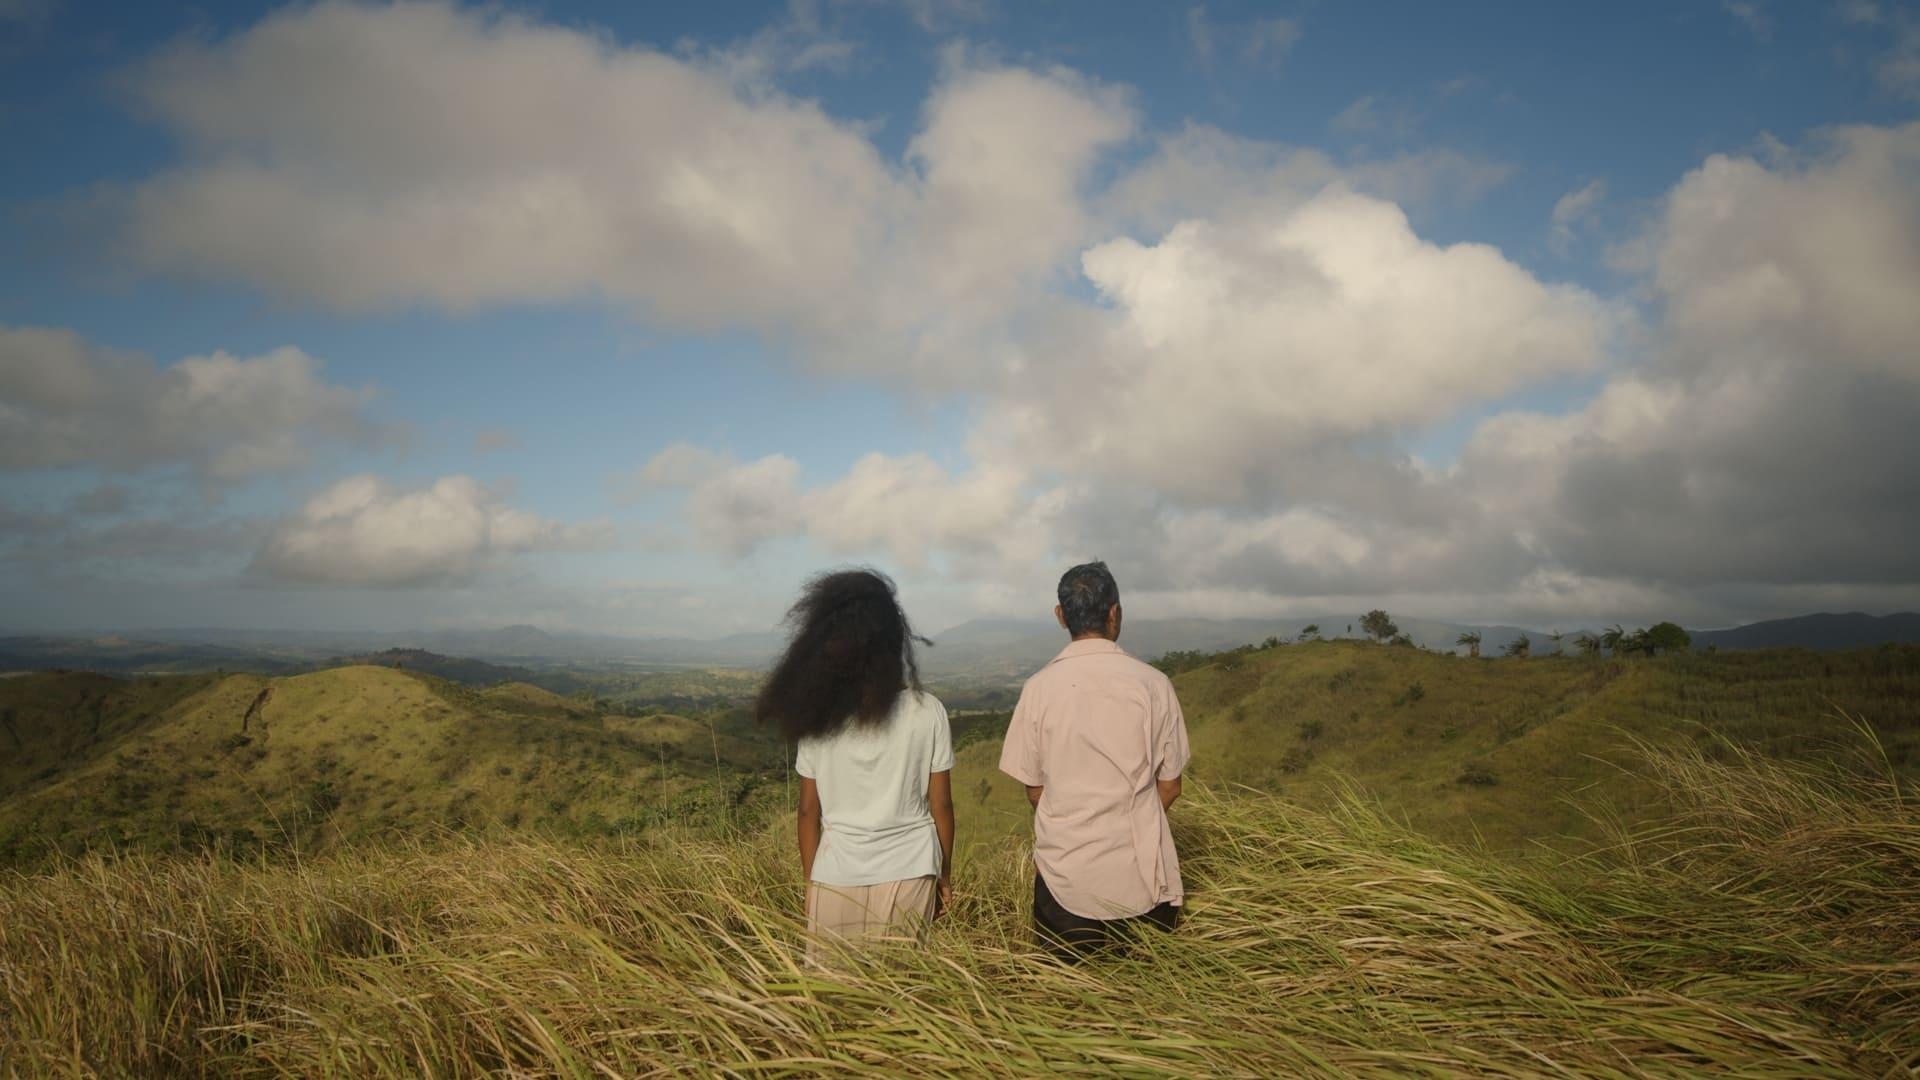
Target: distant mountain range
x: 1850, y: 631
x: 984, y: 650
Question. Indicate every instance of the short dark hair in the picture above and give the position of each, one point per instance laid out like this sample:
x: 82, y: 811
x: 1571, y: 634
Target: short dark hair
x: 1087, y: 593
x: 849, y: 657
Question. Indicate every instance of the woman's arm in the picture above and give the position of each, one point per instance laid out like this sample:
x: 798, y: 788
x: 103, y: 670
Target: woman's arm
x: 940, y: 804
x: 809, y: 826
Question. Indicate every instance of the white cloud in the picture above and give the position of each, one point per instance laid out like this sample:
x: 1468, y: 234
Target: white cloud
x: 1898, y: 69
x: 1769, y: 442
x: 64, y: 402
x: 1751, y: 15
x: 1200, y: 33
x: 1570, y: 210
x: 1223, y: 425
x: 1865, y: 12
x: 373, y: 157
x: 1268, y: 41
x: 1814, y: 259
x: 490, y: 440
x: 1207, y: 368
x: 365, y: 531
x: 1377, y: 115
x: 1203, y: 172
x: 1361, y: 115
x: 369, y: 157
x: 1231, y: 343
x: 1002, y: 156
x: 1260, y: 41
x: 909, y: 507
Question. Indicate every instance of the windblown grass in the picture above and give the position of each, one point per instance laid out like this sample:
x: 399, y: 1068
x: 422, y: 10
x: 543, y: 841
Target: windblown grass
x: 1770, y: 927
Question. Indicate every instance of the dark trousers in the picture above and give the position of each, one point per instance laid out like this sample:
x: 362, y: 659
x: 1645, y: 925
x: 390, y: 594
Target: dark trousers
x: 1075, y: 937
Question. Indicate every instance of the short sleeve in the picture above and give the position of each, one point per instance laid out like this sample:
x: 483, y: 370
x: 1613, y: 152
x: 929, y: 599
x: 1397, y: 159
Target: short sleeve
x: 1020, y: 755
x: 942, y: 736
x: 1171, y: 742
x: 803, y: 758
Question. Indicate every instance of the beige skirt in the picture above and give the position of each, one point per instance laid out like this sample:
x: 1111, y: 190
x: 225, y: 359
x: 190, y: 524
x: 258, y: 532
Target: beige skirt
x: 891, y: 909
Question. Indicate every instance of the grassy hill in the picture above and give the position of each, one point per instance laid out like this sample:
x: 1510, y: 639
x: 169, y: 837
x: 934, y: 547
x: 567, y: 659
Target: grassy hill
x: 245, y: 761
x: 1468, y: 751
x: 1492, y: 750
x: 1771, y: 928
x: 1756, y: 908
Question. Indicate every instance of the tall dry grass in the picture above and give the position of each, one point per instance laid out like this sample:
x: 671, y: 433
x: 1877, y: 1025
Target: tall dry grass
x: 1769, y: 928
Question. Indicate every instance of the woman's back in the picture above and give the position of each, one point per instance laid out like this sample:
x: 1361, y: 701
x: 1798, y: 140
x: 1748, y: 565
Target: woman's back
x: 875, y: 807
x: 872, y: 781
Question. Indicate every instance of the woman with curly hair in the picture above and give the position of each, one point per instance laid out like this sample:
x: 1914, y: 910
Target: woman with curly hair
x: 875, y: 758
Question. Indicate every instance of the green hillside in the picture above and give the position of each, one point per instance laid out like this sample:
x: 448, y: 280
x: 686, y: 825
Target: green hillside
x: 1468, y: 751
x: 1492, y: 750
x: 1756, y: 914
x: 244, y: 761
x: 1778, y: 935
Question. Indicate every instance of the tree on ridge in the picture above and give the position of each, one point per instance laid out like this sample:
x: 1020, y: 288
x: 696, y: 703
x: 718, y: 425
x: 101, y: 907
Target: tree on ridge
x: 1667, y: 637
x: 1612, y: 638
x: 1378, y: 625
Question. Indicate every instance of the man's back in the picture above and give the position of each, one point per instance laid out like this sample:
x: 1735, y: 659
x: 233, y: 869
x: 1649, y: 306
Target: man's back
x: 1095, y: 729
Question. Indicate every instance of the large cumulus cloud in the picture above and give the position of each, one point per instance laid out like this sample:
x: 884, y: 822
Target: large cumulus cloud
x: 375, y: 157
x: 1771, y: 435
x: 66, y: 402
x: 364, y: 530
x: 1213, y: 363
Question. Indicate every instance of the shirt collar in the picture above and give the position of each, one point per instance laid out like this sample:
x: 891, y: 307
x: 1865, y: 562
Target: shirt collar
x: 1088, y: 647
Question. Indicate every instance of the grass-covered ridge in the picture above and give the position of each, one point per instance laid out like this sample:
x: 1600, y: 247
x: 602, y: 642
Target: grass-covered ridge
x: 1770, y: 927
x: 1469, y: 751
x: 247, y: 762
x: 1510, y: 753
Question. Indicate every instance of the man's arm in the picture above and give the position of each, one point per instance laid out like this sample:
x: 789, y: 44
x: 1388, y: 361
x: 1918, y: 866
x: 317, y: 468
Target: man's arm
x: 809, y: 826
x: 1172, y: 752
x: 1033, y: 794
x: 940, y: 805
x: 1169, y: 791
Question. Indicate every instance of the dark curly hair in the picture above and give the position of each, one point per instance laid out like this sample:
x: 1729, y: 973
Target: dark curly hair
x: 850, y: 655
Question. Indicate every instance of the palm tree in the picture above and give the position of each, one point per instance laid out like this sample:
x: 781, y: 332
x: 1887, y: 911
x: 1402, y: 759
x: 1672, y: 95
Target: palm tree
x: 1555, y: 638
x: 1471, y: 639
x: 1521, y: 647
x: 1587, y: 644
x: 1612, y: 637
x: 1310, y: 632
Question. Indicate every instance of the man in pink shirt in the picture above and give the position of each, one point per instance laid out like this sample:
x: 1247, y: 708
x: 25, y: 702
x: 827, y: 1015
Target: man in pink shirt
x: 1099, y: 741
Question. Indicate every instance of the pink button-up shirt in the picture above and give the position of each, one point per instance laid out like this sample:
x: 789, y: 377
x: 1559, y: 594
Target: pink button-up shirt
x: 1096, y: 728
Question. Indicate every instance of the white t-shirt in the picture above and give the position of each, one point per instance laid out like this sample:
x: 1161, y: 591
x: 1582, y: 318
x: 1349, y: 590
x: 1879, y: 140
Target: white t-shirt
x: 873, y: 794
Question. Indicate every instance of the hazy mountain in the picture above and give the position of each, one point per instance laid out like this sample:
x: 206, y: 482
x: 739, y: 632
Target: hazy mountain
x: 1824, y: 631
x: 987, y: 648
x: 121, y: 655
x: 457, y: 669
x: 989, y: 651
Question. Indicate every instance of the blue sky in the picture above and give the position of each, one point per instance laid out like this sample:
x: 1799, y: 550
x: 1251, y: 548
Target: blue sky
x: 628, y: 317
